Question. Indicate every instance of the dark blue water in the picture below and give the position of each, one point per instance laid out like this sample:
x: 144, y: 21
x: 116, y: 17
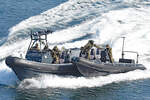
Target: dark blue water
x: 14, y: 11
x: 136, y: 90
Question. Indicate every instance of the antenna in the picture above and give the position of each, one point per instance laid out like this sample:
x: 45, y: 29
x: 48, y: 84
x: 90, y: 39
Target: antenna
x: 123, y: 48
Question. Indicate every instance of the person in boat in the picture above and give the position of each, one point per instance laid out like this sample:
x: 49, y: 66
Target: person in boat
x: 46, y: 48
x: 109, y: 50
x: 36, y: 47
x: 67, y: 58
x: 81, y: 52
x: 86, y: 49
x: 92, y: 54
x: 56, y: 55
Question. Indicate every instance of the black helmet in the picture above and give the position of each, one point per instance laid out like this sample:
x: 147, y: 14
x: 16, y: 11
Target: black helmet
x: 107, y: 46
x: 55, y: 48
x: 91, y: 41
x: 81, y: 48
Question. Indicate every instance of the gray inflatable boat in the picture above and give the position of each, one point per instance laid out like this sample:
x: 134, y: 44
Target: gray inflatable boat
x: 28, y: 69
x: 89, y: 68
x: 104, y: 66
x: 40, y: 61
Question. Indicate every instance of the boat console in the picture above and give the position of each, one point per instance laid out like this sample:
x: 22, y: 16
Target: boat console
x: 38, y: 49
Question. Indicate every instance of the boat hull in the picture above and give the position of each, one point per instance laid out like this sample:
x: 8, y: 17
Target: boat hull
x: 80, y: 67
x: 90, y: 69
x: 28, y: 69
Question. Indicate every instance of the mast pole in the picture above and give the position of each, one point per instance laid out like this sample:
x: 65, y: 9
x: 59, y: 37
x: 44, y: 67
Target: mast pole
x: 123, y: 48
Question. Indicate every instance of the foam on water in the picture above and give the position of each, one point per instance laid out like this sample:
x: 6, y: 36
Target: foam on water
x: 71, y: 13
x: 106, y: 24
x: 51, y: 81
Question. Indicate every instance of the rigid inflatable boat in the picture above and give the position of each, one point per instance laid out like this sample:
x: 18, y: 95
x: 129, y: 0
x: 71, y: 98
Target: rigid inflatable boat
x: 40, y: 61
x: 90, y: 68
x: 27, y: 69
x: 103, y: 65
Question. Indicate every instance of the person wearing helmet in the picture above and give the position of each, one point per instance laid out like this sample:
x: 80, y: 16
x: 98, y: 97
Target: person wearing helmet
x: 109, y: 50
x: 86, y: 49
x: 82, y: 53
x: 56, y: 55
x: 46, y: 48
x: 36, y: 47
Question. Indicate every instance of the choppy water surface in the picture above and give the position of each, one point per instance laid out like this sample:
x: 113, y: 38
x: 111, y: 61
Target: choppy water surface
x: 137, y: 90
x: 77, y: 21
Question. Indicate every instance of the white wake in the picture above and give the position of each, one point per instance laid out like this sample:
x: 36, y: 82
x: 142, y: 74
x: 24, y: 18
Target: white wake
x: 51, y: 81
